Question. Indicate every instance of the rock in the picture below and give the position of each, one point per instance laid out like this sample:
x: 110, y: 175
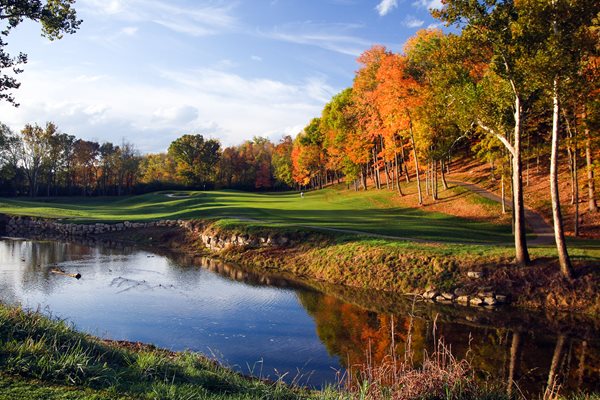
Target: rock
x: 485, y: 292
x: 475, y: 301
x: 448, y: 296
x: 490, y: 301
x: 475, y: 274
x: 502, y: 298
x: 463, y: 300
x: 430, y: 294
x: 442, y: 300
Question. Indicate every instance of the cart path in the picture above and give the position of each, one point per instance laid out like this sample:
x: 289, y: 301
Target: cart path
x: 543, y: 231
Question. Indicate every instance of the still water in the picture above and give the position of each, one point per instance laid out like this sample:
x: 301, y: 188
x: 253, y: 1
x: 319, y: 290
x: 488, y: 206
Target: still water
x: 271, y: 327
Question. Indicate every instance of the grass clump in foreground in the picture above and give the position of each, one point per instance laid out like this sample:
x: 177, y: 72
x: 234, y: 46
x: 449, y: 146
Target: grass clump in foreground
x: 44, y: 358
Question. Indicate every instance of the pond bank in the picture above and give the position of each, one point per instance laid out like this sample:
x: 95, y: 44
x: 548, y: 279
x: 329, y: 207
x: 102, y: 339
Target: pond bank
x: 467, y: 275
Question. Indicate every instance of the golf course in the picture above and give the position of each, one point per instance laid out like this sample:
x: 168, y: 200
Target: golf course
x: 374, y: 212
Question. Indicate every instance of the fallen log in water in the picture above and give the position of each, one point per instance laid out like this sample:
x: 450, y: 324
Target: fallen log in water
x: 59, y: 271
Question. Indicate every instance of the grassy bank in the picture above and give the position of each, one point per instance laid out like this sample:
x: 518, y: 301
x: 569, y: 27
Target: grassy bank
x: 46, y: 359
x: 43, y: 358
x: 408, y: 267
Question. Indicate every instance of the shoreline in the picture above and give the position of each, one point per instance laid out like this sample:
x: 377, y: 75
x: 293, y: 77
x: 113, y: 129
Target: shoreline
x: 317, y: 258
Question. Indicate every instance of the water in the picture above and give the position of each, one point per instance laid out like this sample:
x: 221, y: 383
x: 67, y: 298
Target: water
x: 271, y: 327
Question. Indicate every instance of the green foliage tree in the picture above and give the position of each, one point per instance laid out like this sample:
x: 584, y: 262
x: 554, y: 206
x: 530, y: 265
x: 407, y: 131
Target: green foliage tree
x: 56, y: 18
x: 496, y: 25
x: 282, y: 161
x: 196, y: 158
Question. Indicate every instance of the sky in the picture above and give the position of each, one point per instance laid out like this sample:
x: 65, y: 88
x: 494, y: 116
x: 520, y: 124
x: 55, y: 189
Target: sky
x: 149, y: 71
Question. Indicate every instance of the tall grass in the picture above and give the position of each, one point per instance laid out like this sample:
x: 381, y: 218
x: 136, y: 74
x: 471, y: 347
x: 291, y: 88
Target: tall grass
x: 440, y: 375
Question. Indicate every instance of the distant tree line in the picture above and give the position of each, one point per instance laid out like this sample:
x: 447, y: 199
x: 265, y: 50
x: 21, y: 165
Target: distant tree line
x: 43, y: 161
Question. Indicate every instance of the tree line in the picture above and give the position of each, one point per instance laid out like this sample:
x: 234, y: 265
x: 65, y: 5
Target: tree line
x: 43, y: 161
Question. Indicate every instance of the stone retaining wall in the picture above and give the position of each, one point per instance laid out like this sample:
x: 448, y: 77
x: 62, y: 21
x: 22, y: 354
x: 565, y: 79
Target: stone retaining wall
x: 213, y: 239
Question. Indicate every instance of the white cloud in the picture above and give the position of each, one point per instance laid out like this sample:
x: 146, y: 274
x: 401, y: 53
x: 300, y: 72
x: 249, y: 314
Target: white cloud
x: 129, y: 30
x: 215, y: 103
x: 412, y: 22
x: 256, y: 58
x: 429, y: 4
x: 197, y: 20
x: 386, y: 6
x: 333, y: 37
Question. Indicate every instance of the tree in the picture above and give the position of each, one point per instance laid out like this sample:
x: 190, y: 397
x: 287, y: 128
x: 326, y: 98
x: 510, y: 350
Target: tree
x: 338, y: 122
x: 495, y: 25
x: 157, y: 168
x: 398, y: 98
x: 56, y: 17
x: 560, y: 48
x: 85, y: 158
x: 10, y: 154
x: 282, y: 161
x: 35, y: 151
x: 196, y: 158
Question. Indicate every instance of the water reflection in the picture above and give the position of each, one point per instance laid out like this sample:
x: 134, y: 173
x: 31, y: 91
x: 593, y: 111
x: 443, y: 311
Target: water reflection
x: 529, y: 362
x: 269, y: 323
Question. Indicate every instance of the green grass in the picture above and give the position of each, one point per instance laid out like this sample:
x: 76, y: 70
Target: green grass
x: 47, y: 359
x: 372, y: 211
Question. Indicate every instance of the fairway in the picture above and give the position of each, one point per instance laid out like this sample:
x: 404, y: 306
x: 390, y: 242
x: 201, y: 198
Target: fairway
x: 371, y: 211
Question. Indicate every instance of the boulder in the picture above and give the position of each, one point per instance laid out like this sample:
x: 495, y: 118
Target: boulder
x: 490, y: 301
x: 476, y: 301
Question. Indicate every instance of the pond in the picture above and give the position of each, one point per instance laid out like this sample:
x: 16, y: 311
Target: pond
x: 272, y: 327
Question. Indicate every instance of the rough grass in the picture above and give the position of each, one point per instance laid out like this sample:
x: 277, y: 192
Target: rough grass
x: 34, y: 348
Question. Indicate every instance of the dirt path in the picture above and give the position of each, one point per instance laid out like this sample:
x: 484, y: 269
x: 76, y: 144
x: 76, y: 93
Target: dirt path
x: 542, y: 230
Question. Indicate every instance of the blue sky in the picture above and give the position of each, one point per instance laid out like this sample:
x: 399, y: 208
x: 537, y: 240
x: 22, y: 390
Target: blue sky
x: 148, y: 71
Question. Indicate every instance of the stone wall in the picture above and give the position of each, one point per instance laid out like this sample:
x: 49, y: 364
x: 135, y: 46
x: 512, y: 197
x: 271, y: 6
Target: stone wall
x: 213, y: 239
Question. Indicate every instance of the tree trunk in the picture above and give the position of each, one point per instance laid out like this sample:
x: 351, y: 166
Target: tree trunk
x: 412, y: 138
x: 427, y: 172
x: 554, y: 370
x: 574, y: 172
x: 592, y: 204
x: 559, y: 234
x: 435, y: 178
x: 522, y: 254
x: 514, y: 357
x: 363, y: 177
x: 385, y: 164
x: 406, y: 174
x: 502, y: 190
x: 444, y: 183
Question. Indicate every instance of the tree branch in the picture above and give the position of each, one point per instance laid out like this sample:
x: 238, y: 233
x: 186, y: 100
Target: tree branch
x: 498, y: 136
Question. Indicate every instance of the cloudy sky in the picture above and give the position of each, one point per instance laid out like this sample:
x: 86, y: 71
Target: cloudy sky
x: 148, y: 71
